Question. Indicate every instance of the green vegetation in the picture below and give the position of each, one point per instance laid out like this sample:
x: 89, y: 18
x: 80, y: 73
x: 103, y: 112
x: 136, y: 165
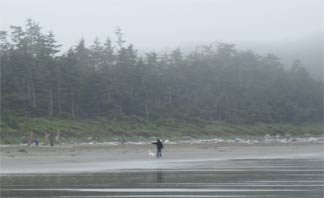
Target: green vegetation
x: 136, y: 128
x: 106, y: 90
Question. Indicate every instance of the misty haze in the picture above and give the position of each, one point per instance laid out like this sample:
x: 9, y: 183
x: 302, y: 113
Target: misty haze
x: 182, y: 98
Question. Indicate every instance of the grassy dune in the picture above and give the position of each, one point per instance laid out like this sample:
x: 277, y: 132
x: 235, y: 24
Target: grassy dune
x: 17, y: 130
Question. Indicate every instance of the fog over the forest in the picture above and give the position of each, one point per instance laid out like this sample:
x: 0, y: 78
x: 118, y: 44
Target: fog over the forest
x: 308, y: 50
x: 288, y: 28
x: 117, y: 69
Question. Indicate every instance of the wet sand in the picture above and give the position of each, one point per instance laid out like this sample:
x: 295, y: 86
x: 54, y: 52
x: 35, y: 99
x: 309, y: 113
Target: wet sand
x: 107, y: 157
x: 222, y: 170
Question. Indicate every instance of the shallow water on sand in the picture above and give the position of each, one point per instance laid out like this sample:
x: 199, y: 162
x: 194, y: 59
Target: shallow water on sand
x: 263, y: 178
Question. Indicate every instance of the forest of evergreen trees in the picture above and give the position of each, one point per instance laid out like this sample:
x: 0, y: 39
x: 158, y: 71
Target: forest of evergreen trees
x: 111, y: 79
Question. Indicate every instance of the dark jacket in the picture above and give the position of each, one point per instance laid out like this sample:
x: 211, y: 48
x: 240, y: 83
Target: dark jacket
x: 158, y: 144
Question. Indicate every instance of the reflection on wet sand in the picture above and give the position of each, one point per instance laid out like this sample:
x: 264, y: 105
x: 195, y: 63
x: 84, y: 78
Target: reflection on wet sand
x: 301, y: 177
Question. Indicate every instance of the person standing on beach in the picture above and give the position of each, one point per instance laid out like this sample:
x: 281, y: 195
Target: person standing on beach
x: 51, y: 139
x: 36, y: 141
x: 159, y: 147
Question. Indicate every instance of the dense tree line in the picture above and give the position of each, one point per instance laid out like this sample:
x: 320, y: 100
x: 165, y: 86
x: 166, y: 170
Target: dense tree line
x: 112, y: 79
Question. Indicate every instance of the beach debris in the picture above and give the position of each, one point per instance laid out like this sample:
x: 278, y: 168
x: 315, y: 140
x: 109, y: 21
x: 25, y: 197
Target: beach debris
x: 186, y: 137
x: 57, y: 137
x: 30, y: 140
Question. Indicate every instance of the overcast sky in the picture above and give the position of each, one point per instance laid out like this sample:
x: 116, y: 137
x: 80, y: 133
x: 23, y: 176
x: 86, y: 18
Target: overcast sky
x: 157, y: 24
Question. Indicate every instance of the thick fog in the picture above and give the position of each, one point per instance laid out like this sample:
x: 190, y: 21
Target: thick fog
x: 168, y: 23
x: 265, y: 25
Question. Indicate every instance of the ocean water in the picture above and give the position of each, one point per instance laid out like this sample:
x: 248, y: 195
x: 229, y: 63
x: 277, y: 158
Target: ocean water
x: 263, y: 178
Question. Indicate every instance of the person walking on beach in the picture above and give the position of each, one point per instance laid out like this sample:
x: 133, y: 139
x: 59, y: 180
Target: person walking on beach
x: 159, y: 147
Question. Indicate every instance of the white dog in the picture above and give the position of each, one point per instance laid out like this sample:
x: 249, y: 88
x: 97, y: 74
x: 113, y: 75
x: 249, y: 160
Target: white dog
x: 151, y: 153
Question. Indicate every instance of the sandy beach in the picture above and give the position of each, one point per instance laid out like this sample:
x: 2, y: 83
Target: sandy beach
x: 110, y: 157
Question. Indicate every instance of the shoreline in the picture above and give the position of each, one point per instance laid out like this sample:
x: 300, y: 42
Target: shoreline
x: 188, y: 140
x: 80, y: 158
